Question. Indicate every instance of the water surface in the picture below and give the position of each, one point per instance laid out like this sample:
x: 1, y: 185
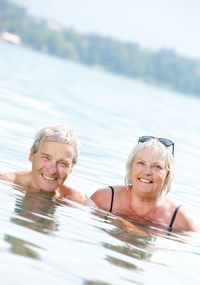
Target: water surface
x: 66, y: 243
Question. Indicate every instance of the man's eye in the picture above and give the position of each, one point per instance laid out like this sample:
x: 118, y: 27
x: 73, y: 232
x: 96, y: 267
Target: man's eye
x: 45, y: 157
x: 64, y: 164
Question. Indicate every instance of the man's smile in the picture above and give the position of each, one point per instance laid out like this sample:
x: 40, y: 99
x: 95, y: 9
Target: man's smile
x: 49, y: 178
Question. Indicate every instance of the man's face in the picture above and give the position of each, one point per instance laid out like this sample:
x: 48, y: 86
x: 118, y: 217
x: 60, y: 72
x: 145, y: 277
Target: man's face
x: 51, y: 165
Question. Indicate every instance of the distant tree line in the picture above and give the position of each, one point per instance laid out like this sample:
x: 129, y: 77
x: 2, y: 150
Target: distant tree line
x: 164, y: 67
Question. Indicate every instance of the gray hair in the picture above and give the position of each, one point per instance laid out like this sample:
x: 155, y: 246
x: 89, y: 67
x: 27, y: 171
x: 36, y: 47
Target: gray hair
x: 156, y: 147
x: 58, y: 133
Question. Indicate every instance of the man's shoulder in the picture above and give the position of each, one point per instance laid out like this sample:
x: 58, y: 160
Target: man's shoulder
x: 14, y: 177
x: 75, y: 195
x: 8, y: 176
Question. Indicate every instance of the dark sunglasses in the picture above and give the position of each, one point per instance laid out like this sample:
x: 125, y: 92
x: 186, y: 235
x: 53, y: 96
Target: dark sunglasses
x: 164, y: 141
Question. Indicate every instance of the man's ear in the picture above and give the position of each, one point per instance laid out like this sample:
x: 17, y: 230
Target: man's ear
x: 31, y: 155
x: 71, y: 168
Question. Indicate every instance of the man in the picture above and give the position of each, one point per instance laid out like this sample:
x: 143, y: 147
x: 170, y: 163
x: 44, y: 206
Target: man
x: 53, y: 153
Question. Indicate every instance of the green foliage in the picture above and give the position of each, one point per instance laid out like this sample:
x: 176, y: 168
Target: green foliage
x: 164, y: 67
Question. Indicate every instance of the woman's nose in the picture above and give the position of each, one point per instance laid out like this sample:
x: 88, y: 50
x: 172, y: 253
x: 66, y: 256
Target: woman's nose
x: 148, y: 170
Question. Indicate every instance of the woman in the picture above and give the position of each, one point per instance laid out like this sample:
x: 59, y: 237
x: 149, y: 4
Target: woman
x: 149, y: 173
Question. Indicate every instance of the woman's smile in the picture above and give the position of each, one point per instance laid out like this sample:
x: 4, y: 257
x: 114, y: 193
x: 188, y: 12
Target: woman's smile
x: 148, y: 172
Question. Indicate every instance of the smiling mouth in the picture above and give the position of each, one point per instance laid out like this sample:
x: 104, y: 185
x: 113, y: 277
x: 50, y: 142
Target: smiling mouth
x: 145, y: 180
x: 48, y: 178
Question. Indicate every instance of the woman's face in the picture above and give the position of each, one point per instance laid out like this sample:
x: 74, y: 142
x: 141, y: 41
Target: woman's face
x: 148, y: 173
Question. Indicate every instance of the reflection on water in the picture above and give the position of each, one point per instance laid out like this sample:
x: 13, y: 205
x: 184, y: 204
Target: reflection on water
x: 22, y: 247
x: 88, y: 282
x: 136, y: 243
x: 118, y: 246
x: 35, y: 211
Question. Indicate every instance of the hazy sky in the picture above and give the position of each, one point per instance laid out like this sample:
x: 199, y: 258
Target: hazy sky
x: 152, y: 23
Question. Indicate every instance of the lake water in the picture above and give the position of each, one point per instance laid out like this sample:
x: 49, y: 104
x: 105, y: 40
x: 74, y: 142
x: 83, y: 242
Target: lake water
x: 42, y: 241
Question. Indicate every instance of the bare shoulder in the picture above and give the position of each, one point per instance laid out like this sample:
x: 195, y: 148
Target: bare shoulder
x: 102, y: 197
x: 75, y: 195
x: 185, y: 221
x: 11, y: 177
x: 18, y: 177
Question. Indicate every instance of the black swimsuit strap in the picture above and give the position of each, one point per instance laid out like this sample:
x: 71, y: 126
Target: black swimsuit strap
x: 112, y: 198
x: 173, y: 217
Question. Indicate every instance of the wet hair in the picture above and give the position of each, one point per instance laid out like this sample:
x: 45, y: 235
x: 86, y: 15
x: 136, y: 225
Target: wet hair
x: 156, y: 147
x: 57, y: 133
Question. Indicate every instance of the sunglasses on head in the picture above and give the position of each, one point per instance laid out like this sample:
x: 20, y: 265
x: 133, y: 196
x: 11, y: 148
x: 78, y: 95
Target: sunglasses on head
x: 164, y: 141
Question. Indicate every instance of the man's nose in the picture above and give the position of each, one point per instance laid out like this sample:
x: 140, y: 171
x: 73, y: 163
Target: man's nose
x: 53, y: 168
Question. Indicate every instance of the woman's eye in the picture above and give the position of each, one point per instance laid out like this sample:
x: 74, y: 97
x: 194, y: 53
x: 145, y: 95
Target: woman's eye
x: 158, y: 166
x: 140, y: 162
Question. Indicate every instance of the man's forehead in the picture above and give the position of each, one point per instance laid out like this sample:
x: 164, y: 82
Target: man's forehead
x: 61, y: 149
x: 50, y: 142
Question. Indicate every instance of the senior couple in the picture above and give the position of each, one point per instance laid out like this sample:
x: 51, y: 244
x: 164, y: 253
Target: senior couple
x: 149, y: 174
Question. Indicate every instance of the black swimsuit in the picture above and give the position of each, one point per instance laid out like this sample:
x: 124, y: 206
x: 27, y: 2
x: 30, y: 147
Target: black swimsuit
x: 173, y: 217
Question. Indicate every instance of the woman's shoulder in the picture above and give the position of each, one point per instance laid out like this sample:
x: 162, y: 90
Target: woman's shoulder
x: 107, y: 191
x: 103, y: 196
x: 184, y: 219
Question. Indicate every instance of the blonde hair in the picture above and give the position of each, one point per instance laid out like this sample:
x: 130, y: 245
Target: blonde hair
x: 156, y: 147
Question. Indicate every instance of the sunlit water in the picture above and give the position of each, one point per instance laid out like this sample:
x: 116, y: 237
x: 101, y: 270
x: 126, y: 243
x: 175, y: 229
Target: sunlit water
x: 66, y: 243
